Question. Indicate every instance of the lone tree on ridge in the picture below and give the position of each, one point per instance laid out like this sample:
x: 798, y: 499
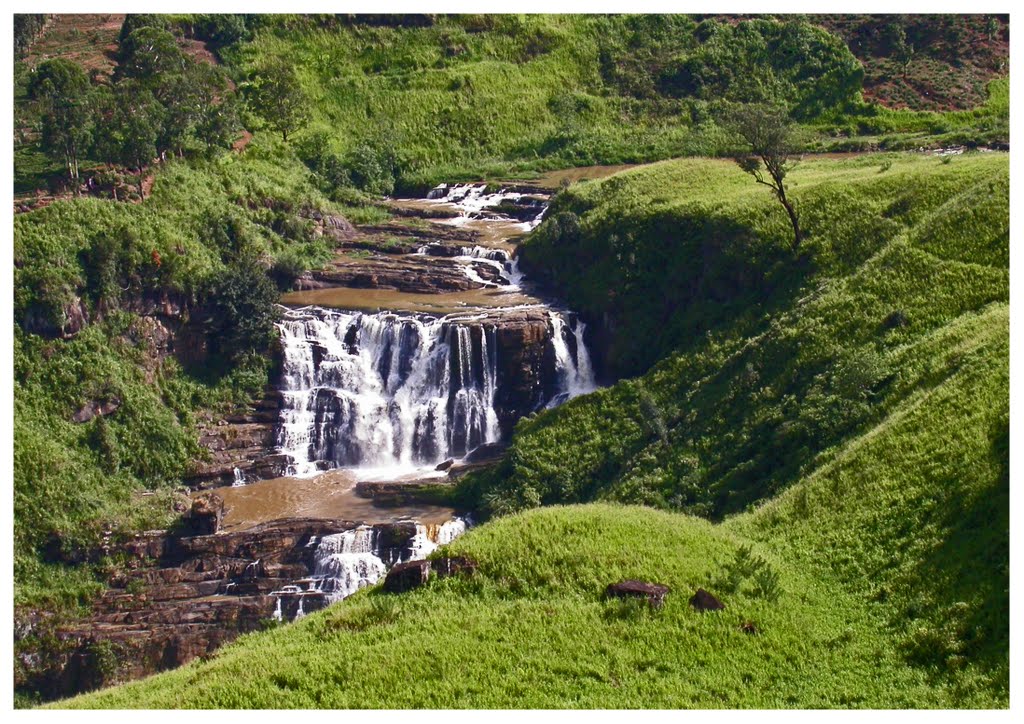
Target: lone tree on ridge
x: 769, y: 132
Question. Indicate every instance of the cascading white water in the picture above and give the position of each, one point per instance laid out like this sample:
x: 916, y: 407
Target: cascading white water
x: 346, y: 562
x: 388, y: 391
x: 430, y: 538
x: 384, y: 390
x: 473, y: 201
x: 575, y: 372
x: 239, y: 480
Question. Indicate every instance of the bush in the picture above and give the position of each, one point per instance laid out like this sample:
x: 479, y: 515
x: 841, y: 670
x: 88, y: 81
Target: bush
x: 242, y: 308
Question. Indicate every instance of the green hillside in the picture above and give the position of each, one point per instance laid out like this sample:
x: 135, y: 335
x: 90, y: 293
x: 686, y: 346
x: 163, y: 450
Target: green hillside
x: 888, y: 594
x: 838, y: 412
x: 884, y: 570
x: 780, y: 357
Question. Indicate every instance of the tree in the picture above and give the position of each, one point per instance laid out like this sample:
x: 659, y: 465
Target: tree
x: 275, y: 94
x: 198, y: 108
x: 768, y: 131
x: 148, y: 54
x: 902, y: 51
x: 62, y: 90
x: 131, y: 124
x: 242, y: 305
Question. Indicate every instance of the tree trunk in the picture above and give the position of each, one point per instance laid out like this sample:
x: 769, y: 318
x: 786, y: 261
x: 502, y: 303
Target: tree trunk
x: 794, y: 220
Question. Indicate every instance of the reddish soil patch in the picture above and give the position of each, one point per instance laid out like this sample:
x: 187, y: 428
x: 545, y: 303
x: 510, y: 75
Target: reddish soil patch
x: 89, y: 40
x: 242, y: 142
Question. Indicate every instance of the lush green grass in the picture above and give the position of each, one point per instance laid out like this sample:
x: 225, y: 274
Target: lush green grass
x: 770, y: 371
x: 892, y: 590
x: 477, y: 96
x: 533, y: 631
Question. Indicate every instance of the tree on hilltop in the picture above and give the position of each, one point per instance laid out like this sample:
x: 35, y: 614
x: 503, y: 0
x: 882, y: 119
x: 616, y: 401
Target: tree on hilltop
x: 769, y: 133
x: 62, y: 90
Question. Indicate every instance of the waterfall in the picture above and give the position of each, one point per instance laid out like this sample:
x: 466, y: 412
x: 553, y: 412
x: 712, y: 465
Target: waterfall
x: 429, y: 538
x: 384, y: 390
x: 396, y: 391
x: 239, y: 480
x: 346, y: 562
x: 474, y: 201
x: 573, y: 366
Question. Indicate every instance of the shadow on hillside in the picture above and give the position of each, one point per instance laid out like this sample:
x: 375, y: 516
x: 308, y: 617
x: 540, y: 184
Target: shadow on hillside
x: 970, y: 607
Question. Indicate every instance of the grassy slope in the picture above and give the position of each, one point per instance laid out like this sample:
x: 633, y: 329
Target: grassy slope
x: 815, y: 353
x: 473, y: 97
x: 891, y: 547
x: 532, y: 630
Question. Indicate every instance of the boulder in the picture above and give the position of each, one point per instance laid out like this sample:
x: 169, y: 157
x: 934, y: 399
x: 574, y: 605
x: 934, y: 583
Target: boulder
x: 205, y: 516
x: 704, y: 601
x: 454, y: 566
x: 407, y: 576
x: 95, y: 408
x: 445, y: 465
x: 487, y: 452
x: 654, y: 593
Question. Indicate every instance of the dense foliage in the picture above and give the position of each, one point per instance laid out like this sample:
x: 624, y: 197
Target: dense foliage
x: 821, y: 375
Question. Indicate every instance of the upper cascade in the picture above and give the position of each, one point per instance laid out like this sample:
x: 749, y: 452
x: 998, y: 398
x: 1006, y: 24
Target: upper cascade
x: 476, y: 201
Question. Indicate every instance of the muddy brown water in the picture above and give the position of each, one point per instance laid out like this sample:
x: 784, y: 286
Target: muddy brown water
x: 378, y: 300
x: 330, y: 495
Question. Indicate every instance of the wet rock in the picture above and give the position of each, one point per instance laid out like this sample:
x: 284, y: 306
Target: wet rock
x: 407, y: 576
x: 704, y: 601
x: 488, y: 452
x: 454, y: 566
x: 205, y: 516
x: 445, y: 465
x: 654, y: 593
x: 389, y: 493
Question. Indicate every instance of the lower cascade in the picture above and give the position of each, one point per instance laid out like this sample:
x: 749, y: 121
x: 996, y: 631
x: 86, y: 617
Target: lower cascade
x: 391, y: 390
x: 353, y: 559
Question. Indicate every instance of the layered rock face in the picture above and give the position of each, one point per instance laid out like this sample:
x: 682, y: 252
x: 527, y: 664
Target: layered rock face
x: 180, y: 597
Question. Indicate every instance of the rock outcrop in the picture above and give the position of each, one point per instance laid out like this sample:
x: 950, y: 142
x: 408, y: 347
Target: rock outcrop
x: 407, y: 576
x: 653, y: 593
x: 179, y: 597
x: 704, y: 601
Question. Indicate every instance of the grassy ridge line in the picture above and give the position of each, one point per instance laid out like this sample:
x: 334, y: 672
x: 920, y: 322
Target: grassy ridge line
x: 740, y: 413
x: 532, y: 631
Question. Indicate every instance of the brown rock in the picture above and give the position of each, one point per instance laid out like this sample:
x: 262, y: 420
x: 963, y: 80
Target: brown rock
x: 95, y: 408
x: 407, y: 576
x: 445, y: 465
x: 454, y: 566
x: 654, y: 592
x: 206, y: 514
x: 704, y: 601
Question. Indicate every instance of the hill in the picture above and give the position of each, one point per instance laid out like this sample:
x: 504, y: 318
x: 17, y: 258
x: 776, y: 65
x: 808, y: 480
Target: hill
x: 873, y: 558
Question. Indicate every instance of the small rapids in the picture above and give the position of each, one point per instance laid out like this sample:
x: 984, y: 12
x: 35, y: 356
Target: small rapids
x: 474, y: 202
